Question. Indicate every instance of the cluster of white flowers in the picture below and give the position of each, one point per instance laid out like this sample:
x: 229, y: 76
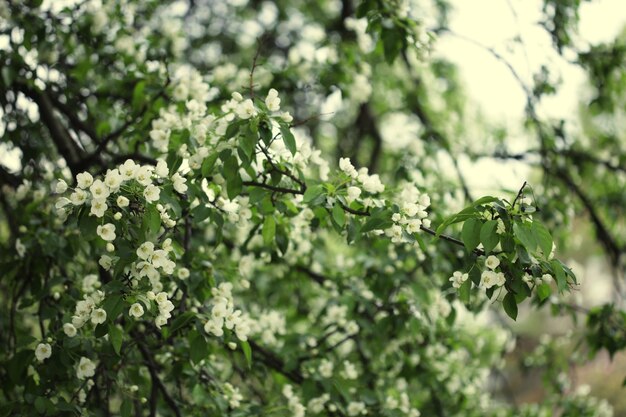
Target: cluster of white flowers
x: 349, y: 370
x: 356, y: 408
x: 164, y: 304
x: 369, y: 183
x: 412, y: 215
x: 268, y: 326
x: 490, y: 277
x: 152, y: 262
x: 232, y: 395
x: 403, y: 404
x: 296, y: 408
x: 325, y: 368
x: 458, y: 278
x: 189, y: 85
x: 316, y: 405
x: 364, y: 39
x: 223, y: 314
x: 99, y: 193
x: 87, y: 310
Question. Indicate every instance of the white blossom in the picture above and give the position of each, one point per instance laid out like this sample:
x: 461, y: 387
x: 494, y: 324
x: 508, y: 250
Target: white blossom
x: 99, y: 190
x: 272, y: 101
x: 43, y: 351
x: 98, y: 316
x: 86, y: 368
x: 106, y: 232
x: 136, y: 310
x: 492, y: 262
x: 84, y: 180
x: 69, y: 330
x: 151, y: 193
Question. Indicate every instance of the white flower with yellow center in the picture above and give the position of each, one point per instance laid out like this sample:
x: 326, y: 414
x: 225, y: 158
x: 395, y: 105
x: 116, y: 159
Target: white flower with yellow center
x: 492, y: 262
x: 43, y: 351
x: 86, y: 368
x: 245, y: 109
x: 151, y: 193
x: 98, y: 207
x: 99, y: 190
x: 84, y: 180
x: 98, y: 316
x: 272, y: 101
x: 136, y: 310
x: 145, y: 250
x: 106, y: 232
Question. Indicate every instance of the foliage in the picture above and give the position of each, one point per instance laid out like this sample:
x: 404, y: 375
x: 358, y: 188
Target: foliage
x: 176, y: 241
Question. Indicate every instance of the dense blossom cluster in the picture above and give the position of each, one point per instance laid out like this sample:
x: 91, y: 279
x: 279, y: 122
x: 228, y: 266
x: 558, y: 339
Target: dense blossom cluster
x: 215, y: 258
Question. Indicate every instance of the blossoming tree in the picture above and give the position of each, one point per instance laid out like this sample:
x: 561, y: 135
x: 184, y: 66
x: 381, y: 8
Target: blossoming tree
x: 188, y: 235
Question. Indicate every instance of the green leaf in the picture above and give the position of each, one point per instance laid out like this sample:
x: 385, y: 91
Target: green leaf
x: 200, y: 213
x: 510, y: 305
x: 269, y: 230
x: 464, y: 291
x: 393, y: 42
x: 234, y: 186
x: 101, y: 330
x: 40, y: 405
x: 198, y: 348
x: 559, y: 275
x: 138, y: 95
x: 339, y: 215
x: 290, y: 141
x: 463, y: 215
x: 484, y: 200
x: 543, y: 291
x: 113, y: 304
x: 471, y: 233
x: 525, y: 236
x: 266, y: 133
x: 543, y: 238
x: 115, y: 336
x: 247, y: 352
x: 248, y: 143
x: 312, y: 193
x: 151, y: 220
x: 126, y: 409
x: 208, y: 164
x: 181, y: 321
x: 233, y: 128
x: 488, y: 235
x: 88, y: 225
x: 375, y: 223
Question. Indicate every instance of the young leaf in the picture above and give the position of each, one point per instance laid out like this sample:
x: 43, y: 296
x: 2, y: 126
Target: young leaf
x: 375, y: 223
x: 115, y: 335
x: 488, y: 235
x: 247, y: 352
x: 198, y: 348
x: 543, y: 291
x: 464, y: 291
x: 313, y: 192
x: 208, y: 164
x: 465, y: 214
x: 559, y: 275
x: 269, y: 230
x: 288, y: 138
x: 525, y: 236
x: 510, y: 305
x: 138, y: 96
x: 543, y: 238
x: 339, y: 215
x: 471, y: 233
